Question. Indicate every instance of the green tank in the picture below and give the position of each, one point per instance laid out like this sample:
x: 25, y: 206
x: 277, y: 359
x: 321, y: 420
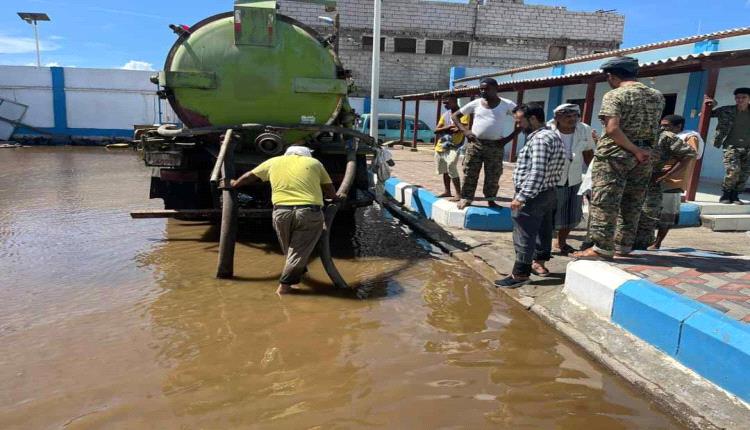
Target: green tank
x: 270, y: 79
x: 253, y: 66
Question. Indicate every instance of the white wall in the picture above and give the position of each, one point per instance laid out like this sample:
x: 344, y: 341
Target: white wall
x: 32, y: 87
x: 95, y: 98
x: 113, y: 99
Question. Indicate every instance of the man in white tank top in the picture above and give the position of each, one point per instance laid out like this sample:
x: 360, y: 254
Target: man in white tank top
x: 485, y: 141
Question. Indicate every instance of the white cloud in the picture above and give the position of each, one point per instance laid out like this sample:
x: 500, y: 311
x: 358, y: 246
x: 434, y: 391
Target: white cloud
x: 56, y: 37
x: 24, y: 45
x: 138, y: 65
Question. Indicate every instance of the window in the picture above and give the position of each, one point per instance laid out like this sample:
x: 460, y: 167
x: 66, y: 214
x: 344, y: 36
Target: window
x: 409, y: 125
x: 433, y: 47
x: 402, y: 44
x: 367, y: 43
x: 670, y: 101
x: 393, y: 124
x: 381, y: 124
x: 460, y: 48
x: 557, y: 53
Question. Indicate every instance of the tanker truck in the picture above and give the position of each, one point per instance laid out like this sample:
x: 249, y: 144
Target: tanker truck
x: 247, y: 84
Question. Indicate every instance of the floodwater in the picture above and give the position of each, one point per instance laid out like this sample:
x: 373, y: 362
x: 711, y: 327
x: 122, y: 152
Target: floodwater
x: 108, y: 322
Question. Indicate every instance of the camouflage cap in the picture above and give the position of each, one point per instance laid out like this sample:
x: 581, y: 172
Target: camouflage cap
x: 627, y: 64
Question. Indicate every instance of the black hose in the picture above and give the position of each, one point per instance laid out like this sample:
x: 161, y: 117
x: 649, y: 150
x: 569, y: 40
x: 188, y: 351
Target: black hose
x: 324, y: 244
x: 229, y: 213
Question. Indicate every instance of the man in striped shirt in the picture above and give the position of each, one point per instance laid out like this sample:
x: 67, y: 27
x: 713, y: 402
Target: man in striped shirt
x: 540, y: 165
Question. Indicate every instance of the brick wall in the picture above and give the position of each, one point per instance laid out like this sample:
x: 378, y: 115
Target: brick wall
x: 502, y: 33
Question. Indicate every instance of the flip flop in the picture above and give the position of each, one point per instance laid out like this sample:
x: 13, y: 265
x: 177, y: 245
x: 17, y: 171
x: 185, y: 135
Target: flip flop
x: 596, y: 257
x: 540, y: 273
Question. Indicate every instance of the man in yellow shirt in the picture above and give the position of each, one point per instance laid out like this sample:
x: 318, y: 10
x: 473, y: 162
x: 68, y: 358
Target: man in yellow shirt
x: 448, y: 140
x: 298, y: 185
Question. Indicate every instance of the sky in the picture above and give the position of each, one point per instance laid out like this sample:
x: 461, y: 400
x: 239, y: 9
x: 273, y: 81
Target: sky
x: 135, y: 34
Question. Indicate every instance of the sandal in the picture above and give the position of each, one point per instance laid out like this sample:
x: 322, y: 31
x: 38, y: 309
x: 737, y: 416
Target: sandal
x: 539, y: 270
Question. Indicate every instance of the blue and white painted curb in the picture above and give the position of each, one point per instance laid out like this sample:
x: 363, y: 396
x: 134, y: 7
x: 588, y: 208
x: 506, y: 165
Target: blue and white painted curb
x: 698, y: 336
x: 446, y: 213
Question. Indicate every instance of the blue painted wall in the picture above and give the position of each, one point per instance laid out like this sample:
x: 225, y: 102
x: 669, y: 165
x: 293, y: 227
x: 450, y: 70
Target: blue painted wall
x: 697, y: 87
x: 59, y: 105
x: 368, y: 105
x: 457, y: 72
x: 554, y: 100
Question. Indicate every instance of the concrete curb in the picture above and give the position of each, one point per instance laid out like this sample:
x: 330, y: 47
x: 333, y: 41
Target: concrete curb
x: 701, y: 338
x: 446, y: 213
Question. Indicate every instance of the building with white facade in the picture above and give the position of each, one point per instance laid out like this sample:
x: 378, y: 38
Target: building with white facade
x: 684, y: 70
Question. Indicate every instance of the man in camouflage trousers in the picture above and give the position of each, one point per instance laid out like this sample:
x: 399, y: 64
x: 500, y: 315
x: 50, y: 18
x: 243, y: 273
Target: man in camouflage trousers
x: 622, y: 168
x: 733, y: 135
x: 486, y: 141
x: 669, y: 148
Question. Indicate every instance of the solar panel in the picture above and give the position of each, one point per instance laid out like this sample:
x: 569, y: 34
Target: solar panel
x: 33, y: 16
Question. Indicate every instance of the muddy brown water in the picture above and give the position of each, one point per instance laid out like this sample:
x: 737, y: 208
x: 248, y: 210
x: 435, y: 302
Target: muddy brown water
x: 107, y: 322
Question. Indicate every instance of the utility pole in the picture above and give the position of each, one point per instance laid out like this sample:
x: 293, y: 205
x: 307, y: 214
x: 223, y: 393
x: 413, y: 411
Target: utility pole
x: 375, y: 83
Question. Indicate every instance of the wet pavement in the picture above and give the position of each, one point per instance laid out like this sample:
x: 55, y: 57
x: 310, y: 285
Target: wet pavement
x: 107, y: 322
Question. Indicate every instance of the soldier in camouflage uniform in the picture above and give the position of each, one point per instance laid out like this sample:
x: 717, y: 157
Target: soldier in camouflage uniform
x: 622, y: 161
x: 669, y: 147
x: 733, y: 135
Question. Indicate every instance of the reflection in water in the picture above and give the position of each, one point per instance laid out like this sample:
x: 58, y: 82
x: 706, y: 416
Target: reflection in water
x: 111, y: 323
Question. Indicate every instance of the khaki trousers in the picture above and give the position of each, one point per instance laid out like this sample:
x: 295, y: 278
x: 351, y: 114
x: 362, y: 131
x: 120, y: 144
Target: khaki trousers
x: 298, y: 231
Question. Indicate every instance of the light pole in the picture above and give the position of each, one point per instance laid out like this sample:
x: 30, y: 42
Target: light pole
x: 375, y: 83
x: 32, y: 18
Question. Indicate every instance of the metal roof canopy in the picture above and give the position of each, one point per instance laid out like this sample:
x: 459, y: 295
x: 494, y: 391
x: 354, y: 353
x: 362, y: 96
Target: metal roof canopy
x: 33, y: 16
x: 669, y: 66
x: 615, y: 53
